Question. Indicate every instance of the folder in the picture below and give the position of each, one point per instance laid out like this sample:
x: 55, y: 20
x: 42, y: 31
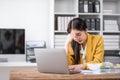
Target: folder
x: 81, y: 6
x: 97, y: 6
x: 90, y: 6
x: 92, y: 24
x: 86, y: 6
x: 97, y: 24
x: 88, y: 23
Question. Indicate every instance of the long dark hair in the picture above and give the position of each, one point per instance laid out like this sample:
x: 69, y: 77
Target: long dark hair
x: 78, y: 24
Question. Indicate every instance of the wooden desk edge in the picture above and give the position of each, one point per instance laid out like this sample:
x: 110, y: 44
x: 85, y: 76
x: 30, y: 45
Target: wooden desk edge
x: 34, y: 74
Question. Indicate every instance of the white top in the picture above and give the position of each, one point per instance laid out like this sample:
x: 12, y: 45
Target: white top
x: 83, y: 52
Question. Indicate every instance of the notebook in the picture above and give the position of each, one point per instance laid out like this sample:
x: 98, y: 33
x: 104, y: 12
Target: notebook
x: 52, y: 61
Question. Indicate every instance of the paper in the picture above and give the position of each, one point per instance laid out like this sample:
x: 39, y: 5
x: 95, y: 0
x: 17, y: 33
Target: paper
x: 102, y: 68
x: 94, y: 66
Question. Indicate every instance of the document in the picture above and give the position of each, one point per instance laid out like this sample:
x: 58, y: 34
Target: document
x: 109, y: 68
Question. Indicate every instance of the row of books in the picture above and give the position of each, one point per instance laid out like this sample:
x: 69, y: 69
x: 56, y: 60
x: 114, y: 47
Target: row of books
x: 62, y: 22
x: 93, y: 23
x: 111, y: 41
x: 87, y: 6
x: 111, y: 25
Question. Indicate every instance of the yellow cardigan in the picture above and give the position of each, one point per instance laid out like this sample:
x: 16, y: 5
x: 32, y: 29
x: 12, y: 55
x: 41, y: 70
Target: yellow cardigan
x: 94, y: 50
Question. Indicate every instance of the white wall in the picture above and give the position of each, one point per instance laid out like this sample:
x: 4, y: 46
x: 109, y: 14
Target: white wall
x: 33, y: 15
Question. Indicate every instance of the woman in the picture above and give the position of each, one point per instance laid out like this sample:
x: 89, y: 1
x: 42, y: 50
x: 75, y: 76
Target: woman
x: 81, y: 47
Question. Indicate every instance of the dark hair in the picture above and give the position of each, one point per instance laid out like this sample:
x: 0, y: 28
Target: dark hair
x: 78, y: 24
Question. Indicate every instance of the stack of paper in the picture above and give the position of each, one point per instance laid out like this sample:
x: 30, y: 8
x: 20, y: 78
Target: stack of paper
x: 109, y: 68
x: 60, y: 41
x: 111, y: 25
x: 111, y: 41
x: 107, y: 11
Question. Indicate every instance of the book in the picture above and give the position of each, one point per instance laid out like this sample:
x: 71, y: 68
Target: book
x: 81, y: 6
x: 62, y: 24
x: 87, y: 20
x: 85, y: 6
x: 97, y: 6
x: 66, y: 23
x: 97, y: 24
x: 92, y: 24
x: 90, y: 6
x: 59, y: 20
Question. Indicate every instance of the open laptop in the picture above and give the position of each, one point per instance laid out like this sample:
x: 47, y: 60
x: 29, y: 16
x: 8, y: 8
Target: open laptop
x: 52, y: 61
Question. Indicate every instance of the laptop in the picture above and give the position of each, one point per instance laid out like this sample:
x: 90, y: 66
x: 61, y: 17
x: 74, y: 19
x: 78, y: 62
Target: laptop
x: 52, y: 60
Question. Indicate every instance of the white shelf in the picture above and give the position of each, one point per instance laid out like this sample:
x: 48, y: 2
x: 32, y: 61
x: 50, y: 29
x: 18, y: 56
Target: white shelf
x: 88, y: 31
x: 111, y: 14
x: 111, y: 0
x: 64, y: 13
x: 60, y: 31
x: 113, y: 49
x: 94, y: 31
x: 109, y: 10
x: 89, y: 14
x: 111, y: 32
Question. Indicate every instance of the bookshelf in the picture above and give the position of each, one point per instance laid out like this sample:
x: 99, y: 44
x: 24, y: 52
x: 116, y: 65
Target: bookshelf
x: 111, y: 33
x: 107, y: 11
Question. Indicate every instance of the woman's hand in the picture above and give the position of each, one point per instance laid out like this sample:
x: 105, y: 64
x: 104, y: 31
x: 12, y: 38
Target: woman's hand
x: 76, y: 67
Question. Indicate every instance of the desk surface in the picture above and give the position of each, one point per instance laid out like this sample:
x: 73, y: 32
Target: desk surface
x: 35, y: 75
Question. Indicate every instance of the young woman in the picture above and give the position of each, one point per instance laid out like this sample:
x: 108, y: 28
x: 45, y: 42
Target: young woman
x: 81, y: 47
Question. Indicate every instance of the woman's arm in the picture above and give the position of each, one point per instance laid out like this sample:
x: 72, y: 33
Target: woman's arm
x: 67, y: 42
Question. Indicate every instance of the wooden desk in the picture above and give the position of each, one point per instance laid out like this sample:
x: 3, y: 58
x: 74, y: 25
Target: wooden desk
x: 35, y: 75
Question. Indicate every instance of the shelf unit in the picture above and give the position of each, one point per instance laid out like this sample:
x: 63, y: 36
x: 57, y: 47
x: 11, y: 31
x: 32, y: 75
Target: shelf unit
x: 109, y: 10
x: 113, y: 7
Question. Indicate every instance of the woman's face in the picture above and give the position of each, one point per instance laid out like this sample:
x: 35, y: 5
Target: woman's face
x: 79, y: 36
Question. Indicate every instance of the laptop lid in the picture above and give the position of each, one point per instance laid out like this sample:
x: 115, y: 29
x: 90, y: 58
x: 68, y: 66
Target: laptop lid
x: 51, y: 60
